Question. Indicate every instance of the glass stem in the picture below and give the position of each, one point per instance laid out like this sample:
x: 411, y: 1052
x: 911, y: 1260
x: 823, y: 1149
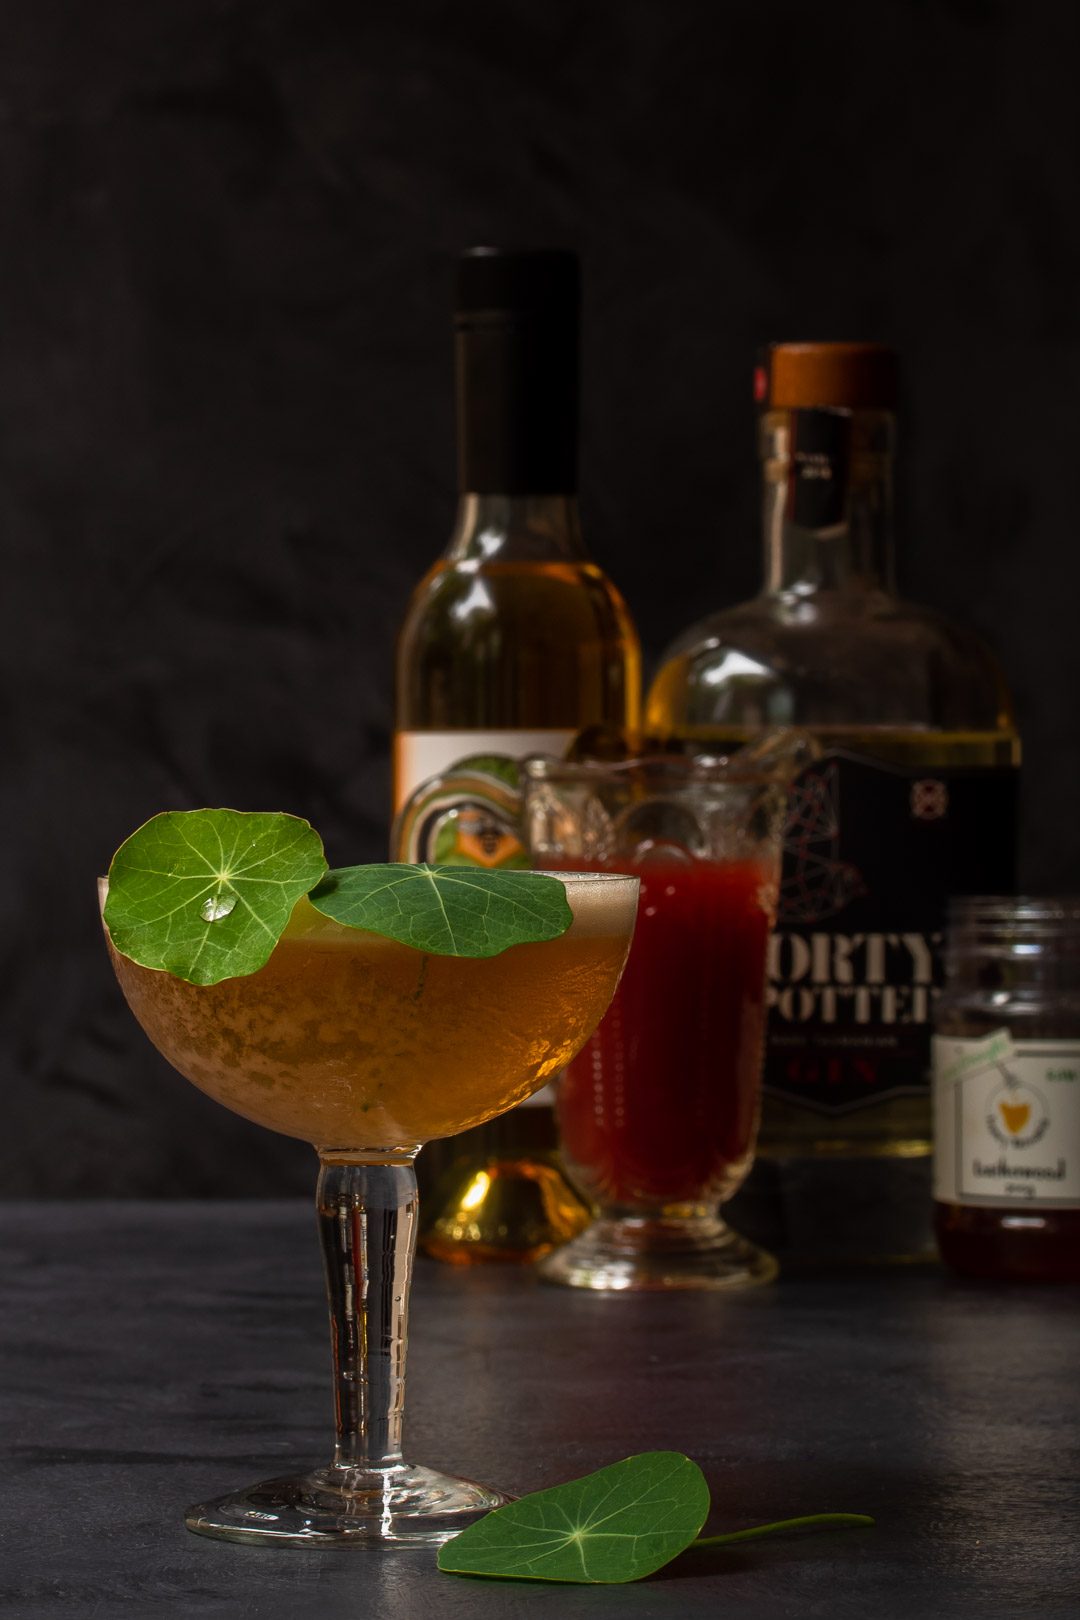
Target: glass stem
x: 367, y: 1224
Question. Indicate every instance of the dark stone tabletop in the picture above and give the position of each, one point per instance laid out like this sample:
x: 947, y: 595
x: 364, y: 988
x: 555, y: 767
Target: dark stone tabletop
x: 157, y: 1353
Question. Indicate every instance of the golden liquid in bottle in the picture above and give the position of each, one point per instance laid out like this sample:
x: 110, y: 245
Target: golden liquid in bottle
x: 517, y: 646
x: 497, y: 650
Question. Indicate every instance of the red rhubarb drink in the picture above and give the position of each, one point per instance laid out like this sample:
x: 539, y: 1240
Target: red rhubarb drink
x: 660, y: 1107
x: 658, y: 1111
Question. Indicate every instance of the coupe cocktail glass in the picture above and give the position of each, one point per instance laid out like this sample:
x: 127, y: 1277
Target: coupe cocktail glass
x: 658, y: 1114
x: 367, y: 1049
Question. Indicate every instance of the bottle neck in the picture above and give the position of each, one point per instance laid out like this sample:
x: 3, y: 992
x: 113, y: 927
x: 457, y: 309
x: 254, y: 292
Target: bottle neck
x: 516, y: 528
x: 517, y: 401
x: 828, y: 501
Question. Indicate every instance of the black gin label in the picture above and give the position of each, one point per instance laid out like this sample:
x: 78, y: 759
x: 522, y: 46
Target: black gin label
x: 872, y: 853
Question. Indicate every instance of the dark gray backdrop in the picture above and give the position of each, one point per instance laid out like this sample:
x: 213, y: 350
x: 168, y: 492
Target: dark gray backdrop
x: 225, y: 403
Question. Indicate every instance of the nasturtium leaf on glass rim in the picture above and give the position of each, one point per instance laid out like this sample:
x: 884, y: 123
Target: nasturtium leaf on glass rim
x: 206, y: 894
x: 619, y: 1524
x: 447, y: 910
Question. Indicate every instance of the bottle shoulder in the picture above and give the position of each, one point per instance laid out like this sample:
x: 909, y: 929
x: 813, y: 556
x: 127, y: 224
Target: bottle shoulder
x: 520, y: 645
x: 464, y: 599
x: 829, y: 658
x: 792, y: 620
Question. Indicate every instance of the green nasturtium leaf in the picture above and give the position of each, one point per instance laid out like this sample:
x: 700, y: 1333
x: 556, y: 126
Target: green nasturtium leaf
x: 206, y: 894
x: 447, y: 910
x: 619, y: 1524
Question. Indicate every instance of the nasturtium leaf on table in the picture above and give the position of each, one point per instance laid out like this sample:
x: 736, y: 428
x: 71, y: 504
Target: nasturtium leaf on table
x: 447, y: 910
x: 206, y: 894
x: 618, y: 1524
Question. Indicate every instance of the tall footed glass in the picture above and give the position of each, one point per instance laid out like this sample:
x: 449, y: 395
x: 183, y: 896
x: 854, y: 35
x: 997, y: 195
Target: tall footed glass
x: 658, y: 1113
x: 368, y: 1048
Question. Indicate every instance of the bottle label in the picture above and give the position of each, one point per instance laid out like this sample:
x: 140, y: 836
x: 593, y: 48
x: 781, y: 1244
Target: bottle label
x: 819, y: 458
x: 1007, y: 1122
x: 871, y: 854
x: 421, y: 755
x: 458, y: 802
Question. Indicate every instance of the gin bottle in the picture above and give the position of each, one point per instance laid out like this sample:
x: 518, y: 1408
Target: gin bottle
x: 912, y: 800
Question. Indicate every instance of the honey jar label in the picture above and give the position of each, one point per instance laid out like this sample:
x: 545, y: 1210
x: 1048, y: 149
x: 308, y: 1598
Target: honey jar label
x: 1006, y: 1122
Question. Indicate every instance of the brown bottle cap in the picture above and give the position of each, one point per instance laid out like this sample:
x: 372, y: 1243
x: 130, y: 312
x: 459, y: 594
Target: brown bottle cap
x: 851, y: 376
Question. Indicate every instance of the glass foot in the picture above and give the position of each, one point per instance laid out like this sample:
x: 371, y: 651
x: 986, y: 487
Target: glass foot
x: 335, y: 1505
x: 654, y: 1252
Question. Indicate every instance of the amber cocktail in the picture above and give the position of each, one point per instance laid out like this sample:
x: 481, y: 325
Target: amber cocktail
x: 368, y: 1048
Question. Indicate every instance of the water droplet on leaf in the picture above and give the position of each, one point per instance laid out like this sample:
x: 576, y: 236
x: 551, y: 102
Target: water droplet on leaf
x: 216, y: 906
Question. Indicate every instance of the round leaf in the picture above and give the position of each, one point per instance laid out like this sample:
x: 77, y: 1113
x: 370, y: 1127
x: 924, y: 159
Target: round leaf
x: 447, y: 910
x: 619, y: 1524
x: 206, y: 894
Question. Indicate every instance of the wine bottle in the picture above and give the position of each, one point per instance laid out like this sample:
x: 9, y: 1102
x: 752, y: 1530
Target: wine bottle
x: 513, y: 643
